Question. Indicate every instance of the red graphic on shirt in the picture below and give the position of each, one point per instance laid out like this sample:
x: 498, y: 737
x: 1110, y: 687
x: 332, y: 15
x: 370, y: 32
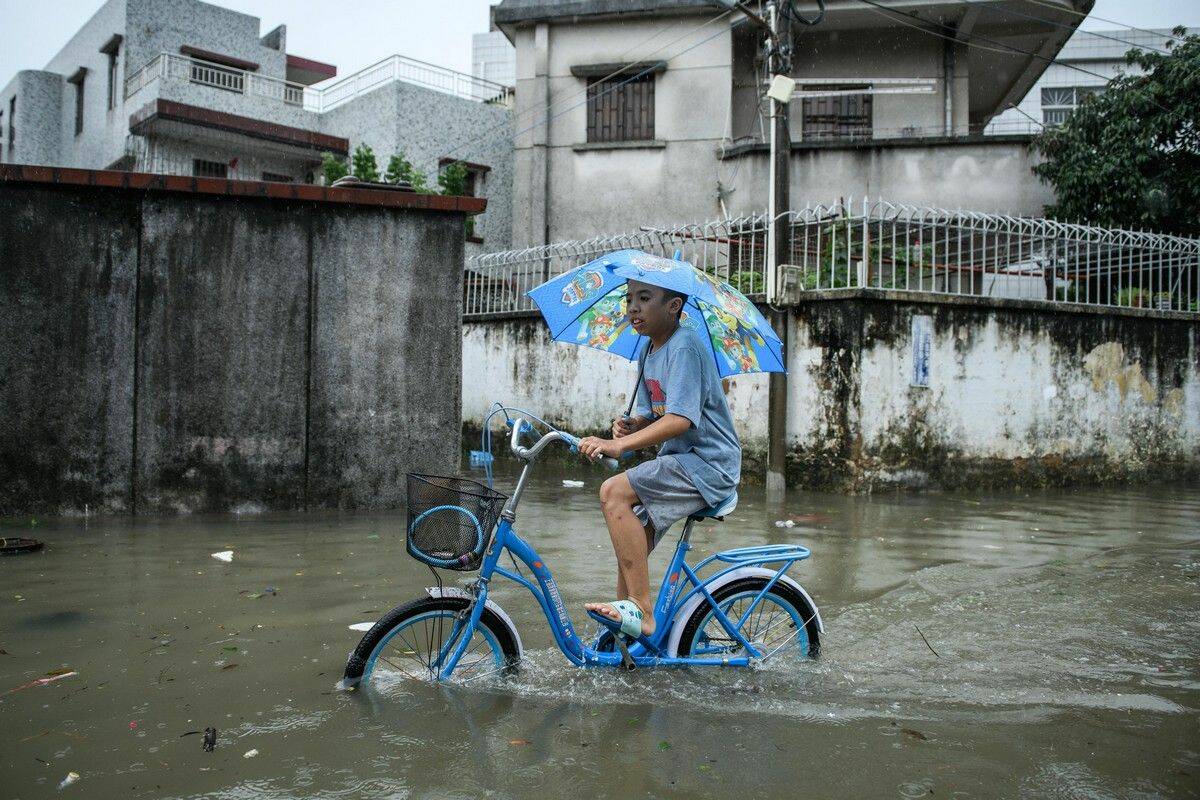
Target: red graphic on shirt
x: 658, y: 398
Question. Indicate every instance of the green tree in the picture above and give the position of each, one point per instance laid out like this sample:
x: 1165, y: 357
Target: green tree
x: 1130, y: 156
x: 333, y: 167
x: 363, y: 164
x: 401, y: 169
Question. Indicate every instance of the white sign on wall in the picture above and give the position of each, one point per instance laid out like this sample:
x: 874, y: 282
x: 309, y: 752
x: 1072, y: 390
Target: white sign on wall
x: 922, y: 346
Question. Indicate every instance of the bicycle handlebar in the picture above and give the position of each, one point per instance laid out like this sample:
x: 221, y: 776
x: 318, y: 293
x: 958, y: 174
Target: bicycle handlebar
x: 531, y: 453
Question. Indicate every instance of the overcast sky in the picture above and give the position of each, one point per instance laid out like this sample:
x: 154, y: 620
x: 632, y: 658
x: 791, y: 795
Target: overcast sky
x: 355, y: 34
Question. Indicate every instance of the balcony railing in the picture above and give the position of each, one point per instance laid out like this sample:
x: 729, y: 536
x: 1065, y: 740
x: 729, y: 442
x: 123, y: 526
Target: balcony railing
x: 394, y: 68
x: 216, y: 76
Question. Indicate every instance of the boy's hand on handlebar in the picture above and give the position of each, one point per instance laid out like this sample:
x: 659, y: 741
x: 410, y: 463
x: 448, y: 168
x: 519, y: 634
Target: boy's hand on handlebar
x: 594, y: 447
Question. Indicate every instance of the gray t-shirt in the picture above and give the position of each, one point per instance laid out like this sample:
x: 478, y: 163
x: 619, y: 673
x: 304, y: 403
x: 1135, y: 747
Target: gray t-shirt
x: 681, y: 378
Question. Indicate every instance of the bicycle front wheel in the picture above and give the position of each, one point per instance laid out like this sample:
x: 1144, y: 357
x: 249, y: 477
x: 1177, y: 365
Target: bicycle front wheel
x: 407, y: 642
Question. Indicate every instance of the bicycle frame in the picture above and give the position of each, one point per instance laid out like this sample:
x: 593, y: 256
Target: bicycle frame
x: 680, y: 584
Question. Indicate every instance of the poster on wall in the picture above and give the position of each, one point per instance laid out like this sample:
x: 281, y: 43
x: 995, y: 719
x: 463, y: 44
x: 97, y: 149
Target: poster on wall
x: 922, y: 345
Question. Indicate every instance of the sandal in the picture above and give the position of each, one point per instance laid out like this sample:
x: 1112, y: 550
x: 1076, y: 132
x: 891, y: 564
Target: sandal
x: 630, y: 622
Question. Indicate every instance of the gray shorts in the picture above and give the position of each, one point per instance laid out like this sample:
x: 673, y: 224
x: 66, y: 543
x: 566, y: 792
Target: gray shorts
x: 666, y: 492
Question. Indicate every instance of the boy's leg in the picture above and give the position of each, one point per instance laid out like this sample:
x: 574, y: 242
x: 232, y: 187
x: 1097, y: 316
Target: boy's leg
x: 632, y: 546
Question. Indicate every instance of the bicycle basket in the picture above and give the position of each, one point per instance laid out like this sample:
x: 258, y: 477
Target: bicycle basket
x: 450, y: 520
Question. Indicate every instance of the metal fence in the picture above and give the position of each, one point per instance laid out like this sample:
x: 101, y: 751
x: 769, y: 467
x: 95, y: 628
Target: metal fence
x: 891, y: 246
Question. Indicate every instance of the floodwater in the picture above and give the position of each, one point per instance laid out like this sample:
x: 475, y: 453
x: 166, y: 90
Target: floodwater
x: 1066, y: 627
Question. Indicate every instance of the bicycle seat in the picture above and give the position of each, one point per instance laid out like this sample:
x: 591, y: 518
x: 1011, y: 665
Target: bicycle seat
x: 719, y: 511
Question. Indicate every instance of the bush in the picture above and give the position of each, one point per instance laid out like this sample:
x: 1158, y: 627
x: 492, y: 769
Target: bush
x: 400, y: 169
x: 453, y: 180
x: 333, y: 167
x: 363, y: 164
x: 747, y: 282
x: 1133, y: 298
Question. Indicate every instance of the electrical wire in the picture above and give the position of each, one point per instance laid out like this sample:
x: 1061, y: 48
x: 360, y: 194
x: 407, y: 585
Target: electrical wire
x: 970, y: 42
x: 485, y: 136
x: 1089, y: 15
x: 1077, y: 30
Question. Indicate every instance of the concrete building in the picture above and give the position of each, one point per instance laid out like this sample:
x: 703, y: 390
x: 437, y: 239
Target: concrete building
x: 686, y: 140
x: 185, y: 87
x: 494, y: 58
x: 1062, y: 87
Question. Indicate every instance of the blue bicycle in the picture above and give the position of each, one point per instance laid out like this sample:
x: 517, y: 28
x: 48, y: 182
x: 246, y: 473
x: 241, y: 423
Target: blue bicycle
x: 739, y: 615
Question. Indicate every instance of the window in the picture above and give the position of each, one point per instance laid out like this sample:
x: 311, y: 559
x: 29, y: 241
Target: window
x: 620, y: 110
x: 78, y: 79
x: 276, y: 177
x: 12, y: 121
x: 842, y: 116
x: 472, y: 187
x: 1059, y: 101
x: 110, y: 49
x: 202, y: 168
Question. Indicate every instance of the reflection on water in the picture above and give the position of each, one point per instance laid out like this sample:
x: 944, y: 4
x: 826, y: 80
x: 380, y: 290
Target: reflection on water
x: 1062, y: 659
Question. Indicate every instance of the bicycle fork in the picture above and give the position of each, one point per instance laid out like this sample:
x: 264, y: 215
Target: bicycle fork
x: 465, y: 623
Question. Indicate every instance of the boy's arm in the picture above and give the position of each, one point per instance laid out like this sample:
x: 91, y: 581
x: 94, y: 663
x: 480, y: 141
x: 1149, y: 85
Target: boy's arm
x: 668, y: 426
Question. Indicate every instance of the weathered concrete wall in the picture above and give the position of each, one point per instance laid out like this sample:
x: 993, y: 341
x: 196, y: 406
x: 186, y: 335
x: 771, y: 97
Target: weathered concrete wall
x: 1018, y: 395
x: 180, y: 351
x: 67, y: 274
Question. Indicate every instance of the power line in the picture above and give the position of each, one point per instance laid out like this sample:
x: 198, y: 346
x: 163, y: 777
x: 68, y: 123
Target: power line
x: 1102, y: 19
x: 485, y: 136
x: 1079, y: 30
x: 971, y: 41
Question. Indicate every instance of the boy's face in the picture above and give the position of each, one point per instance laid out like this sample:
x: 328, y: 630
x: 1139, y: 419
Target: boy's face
x: 650, y: 312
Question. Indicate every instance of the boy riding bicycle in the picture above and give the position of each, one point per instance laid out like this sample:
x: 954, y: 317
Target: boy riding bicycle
x: 681, y: 407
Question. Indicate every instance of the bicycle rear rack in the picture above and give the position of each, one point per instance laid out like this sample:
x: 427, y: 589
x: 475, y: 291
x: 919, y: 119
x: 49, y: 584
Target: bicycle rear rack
x: 763, y: 554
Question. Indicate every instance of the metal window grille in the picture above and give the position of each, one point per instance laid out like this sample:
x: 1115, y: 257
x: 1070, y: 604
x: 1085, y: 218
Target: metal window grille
x: 203, y: 168
x: 277, y: 177
x: 846, y: 116
x: 620, y: 110
x: 1059, y: 101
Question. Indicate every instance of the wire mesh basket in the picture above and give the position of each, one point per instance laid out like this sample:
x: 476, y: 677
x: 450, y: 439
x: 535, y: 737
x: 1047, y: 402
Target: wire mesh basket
x: 450, y: 520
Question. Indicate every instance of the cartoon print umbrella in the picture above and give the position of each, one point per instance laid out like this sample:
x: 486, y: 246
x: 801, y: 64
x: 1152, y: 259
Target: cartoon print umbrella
x: 586, y: 306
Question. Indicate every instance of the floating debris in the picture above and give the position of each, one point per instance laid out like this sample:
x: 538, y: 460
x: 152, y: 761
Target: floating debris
x: 224, y: 555
x: 572, y: 484
x: 72, y: 777
x: 210, y: 739
x: 362, y: 626
x: 250, y: 754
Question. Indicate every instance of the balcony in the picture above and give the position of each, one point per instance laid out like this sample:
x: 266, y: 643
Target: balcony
x: 181, y: 69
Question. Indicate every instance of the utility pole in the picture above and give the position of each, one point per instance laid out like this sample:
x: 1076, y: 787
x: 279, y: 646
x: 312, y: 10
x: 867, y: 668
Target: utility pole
x: 778, y: 63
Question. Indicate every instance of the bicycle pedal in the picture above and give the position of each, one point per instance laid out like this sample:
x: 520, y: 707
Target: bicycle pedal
x: 627, y: 662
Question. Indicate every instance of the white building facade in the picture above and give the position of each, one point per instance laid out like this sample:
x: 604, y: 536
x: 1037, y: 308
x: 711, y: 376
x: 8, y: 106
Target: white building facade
x: 1089, y: 60
x: 494, y: 58
x: 650, y: 113
x: 186, y: 87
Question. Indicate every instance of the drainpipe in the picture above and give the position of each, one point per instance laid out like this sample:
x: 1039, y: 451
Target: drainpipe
x: 948, y: 85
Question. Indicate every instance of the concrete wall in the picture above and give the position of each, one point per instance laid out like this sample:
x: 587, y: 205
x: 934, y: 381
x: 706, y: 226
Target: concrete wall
x: 39, y: 132
x: 983, y: 173
x: 174, y: 351
x: 1019, y: 394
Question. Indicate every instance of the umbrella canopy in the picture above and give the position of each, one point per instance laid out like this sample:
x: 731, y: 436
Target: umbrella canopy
x: 586, y: 306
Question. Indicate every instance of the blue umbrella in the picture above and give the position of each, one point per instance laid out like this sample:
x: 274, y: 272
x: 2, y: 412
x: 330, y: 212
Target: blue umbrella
x: 586, y: 306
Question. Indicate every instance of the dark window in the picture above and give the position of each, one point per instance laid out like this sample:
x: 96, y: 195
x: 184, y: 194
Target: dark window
x: 112, y: 80
x: 277, y: 177
x: 110, y: 49
x: 620, y: 110
x: 12, y: 121
x: 202, y: 168
x: 78, y: 79
x: 842, y: 116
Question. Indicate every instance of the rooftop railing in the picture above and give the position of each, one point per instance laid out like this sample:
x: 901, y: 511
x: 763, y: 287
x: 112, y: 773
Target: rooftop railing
x: 393, y: 68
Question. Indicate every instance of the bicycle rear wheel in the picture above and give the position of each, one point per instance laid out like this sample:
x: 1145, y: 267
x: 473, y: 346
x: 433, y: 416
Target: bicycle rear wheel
x: 783, y: 623
x: 406, y: 642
